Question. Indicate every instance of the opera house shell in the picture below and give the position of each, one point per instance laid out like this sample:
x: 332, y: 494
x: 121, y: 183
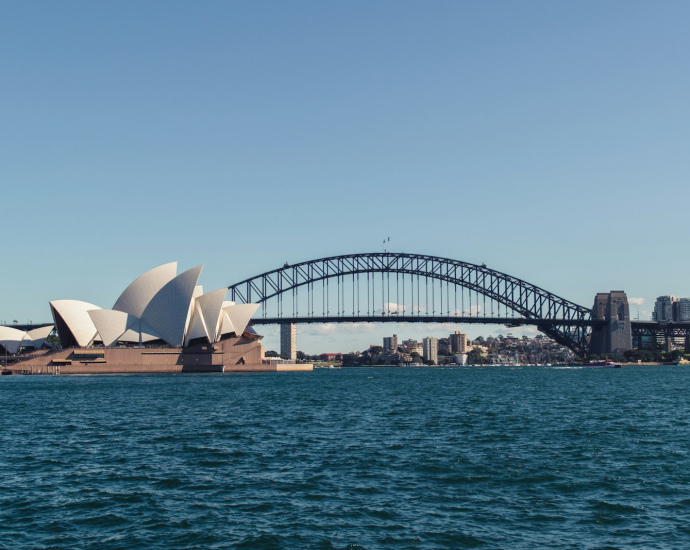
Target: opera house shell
x: 162, y: 322
x: 13, y: 340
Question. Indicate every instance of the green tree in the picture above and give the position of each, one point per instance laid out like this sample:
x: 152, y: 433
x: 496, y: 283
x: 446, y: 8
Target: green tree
x: 53, y: 340
x: 351, y: 360
x: 475, y: 357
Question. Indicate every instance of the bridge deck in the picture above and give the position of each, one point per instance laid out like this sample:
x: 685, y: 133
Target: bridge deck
x: 509, y: 321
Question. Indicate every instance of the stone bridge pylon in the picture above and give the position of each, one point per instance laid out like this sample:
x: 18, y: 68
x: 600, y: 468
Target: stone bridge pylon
x: 615, y: 336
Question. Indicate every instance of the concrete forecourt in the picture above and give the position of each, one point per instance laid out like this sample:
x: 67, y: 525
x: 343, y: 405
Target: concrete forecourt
x: 162, y: 323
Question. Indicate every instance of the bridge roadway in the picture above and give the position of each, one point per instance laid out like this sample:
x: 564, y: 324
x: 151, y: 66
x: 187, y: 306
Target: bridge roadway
x: 676, y: 329
x: 508, y: 321
x: 660, y: 325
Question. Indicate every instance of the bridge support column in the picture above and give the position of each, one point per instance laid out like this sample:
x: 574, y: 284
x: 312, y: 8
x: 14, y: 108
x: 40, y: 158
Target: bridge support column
x: 616, y: 335
x: 288, y: 340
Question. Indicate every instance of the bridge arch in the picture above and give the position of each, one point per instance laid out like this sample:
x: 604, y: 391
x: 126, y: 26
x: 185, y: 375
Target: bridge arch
x: 563, y: 320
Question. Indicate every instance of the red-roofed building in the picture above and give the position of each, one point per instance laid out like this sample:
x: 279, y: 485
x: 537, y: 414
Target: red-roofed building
x: 331, y: 356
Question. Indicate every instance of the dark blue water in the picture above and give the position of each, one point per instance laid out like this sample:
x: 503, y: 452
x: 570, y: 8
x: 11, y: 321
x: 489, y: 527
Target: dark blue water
x: 361, y: 458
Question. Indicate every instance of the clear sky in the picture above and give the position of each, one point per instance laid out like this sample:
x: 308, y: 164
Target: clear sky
x: 547, y: 139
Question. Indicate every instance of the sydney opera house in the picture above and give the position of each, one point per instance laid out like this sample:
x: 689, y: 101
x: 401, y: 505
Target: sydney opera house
x: 162, y: 322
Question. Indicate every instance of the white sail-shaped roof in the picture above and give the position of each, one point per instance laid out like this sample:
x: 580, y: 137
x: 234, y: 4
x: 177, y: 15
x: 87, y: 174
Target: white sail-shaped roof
x: 38, y: 336
x: 196, y: 327
x: 75, y: 315
x: 195, y: 324
x: 250, y: 330
x: 112, y: 324
x: 240, y: 315
x: 132, y: 335
x: 226, y: 324
x: 11, y: 338
x: 211, y: 306
x: 168, y: 311
x: 139, y: 293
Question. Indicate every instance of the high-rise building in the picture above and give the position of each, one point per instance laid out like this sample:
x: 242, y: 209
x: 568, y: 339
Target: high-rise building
x: 664, y: 309
x: 288, y: 340
x: 430, y: 349
x: 684, y: 310
x: 390, y: 343
x: 458, y: 342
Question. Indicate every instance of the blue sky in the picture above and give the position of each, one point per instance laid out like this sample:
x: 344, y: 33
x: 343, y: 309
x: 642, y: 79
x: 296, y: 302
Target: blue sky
x: 547, y: 139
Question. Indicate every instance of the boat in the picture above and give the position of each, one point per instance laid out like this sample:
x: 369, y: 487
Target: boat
x: 603, y: 364
x: 681, y: 361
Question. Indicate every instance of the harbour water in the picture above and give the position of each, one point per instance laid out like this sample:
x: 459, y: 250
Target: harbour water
x: 559, y: 458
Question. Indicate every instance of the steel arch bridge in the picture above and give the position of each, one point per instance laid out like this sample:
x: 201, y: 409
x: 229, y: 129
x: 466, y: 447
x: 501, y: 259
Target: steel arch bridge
x: 399, y: 287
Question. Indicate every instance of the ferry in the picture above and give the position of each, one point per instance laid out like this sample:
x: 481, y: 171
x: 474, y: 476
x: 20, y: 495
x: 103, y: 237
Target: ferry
x: 603, y: 364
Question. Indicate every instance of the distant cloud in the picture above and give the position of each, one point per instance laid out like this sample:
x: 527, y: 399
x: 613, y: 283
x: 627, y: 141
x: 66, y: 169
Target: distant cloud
x: 527, y: 330
x: 636, y: 301
x: 324, y: 329
x: 391, y: 307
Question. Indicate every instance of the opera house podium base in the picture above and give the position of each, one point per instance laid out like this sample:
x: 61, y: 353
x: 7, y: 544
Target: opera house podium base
x: 233, y: 354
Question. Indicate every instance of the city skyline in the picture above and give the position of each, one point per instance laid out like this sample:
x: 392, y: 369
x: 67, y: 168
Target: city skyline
x: 535, y: 138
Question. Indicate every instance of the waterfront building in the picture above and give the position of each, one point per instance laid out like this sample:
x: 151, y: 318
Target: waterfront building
x: 390, y: 344
x: 331, y: 357
x: 160, y: 306
x: 410, y: 343
x: 458, y: 342
x: 288, y: 340
x: 430, y: 348
x: 162, y: 322
x: 461, y: 359
x: 13, y: 340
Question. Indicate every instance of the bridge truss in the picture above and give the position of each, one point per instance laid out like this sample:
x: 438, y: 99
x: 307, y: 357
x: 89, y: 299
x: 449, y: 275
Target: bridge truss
x: 654, y: 336
x: 399, y: 287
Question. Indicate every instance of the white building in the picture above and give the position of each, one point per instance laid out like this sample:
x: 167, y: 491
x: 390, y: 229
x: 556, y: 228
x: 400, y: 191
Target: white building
x: 461, y: 359
x: 160, y: 306
x: 13, y: 340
